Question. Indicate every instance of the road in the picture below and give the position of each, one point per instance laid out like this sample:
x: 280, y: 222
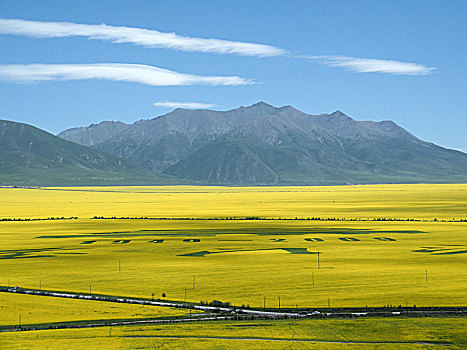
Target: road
x: 229, y: 312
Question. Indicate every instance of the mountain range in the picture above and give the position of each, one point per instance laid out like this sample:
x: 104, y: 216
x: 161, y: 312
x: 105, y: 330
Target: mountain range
x: 31, y: 157
x: 255, y: 145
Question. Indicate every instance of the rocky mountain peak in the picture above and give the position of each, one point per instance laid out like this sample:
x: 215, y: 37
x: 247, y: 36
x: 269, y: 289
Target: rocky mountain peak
x: 340, y: 115
x: 261, y: 143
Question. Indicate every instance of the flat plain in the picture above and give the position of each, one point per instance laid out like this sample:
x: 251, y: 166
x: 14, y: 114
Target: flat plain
x: 378, y: 245
x: 374, y: 333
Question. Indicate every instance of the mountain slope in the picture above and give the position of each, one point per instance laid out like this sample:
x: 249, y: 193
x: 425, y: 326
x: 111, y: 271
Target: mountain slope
x: 30, y: 156
x: 343, y: 126
x: 262, y: 144
x: 163, y: 141
x: 93, y: 134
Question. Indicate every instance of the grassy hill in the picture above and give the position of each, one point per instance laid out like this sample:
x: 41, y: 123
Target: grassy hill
x: 31, y: 157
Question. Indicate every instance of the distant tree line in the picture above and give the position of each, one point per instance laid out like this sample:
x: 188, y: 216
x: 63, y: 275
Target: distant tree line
x: 39, y: 219
x: 258, y: 218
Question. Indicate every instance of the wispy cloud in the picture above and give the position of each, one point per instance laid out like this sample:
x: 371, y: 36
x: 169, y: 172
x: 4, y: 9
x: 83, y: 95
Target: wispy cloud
x: 372, y: 65
x: 137, y: 36
x: 190, y: 105
x: 155, y: 39
x: 135, y: 73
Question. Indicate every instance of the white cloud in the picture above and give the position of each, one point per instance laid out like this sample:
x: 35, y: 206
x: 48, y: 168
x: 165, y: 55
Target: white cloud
x: 371, y: 65
x: 155, y: 39
x: 135, y: 73
x: 137, y: 36
x: 190, y: 105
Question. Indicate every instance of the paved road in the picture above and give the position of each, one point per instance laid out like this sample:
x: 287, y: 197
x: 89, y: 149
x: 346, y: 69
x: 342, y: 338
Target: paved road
x: 147, y: 302
x: 242, y: 312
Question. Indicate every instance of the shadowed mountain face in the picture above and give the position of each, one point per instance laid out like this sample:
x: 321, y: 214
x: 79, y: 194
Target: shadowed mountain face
x: 30, y: 156
x: 93, y: 134
x: 262, y: 144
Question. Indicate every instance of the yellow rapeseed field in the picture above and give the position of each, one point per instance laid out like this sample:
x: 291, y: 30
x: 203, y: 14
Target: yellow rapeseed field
x: 31, y: 309
x: 399, y: 201
x: 373, y: 333
x: 251, y: 262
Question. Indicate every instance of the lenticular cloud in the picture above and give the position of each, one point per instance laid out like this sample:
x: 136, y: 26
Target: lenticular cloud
x: 155, y: 39
x: 135, y: 73
x: 137, y: 36
x: 372, y: 65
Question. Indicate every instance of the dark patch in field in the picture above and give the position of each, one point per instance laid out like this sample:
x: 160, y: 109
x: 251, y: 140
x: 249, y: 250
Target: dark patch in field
x: 199, y: 254
x: 275, y: 240
x: 337, y: 231
x: 452, y: 253
x: 424, y: 251
x: 34, y: 253
x: 121, y: 241
x: 76, y: 253
x: 20, y: 256
x: 289, y: 250
x: 297, y: 251
x: 93, y: 235
x: 156, y: 241
x: 409, y: 232
x: 88, y: 242
x: 349, y: 239
x: 384, y: 239
x: 441, y: 250
x: 313, y: 239
x: 109, y: 233
x: 214, y: 232
x: 131, y: 234
x: 193, y: 240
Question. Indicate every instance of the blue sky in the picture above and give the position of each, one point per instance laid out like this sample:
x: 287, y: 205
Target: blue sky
x: 374, y: 60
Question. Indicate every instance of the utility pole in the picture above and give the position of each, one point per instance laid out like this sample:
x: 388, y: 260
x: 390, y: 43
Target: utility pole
x: 264, y: 302
x: 318, y: 259
x: 279, y: 302
x: 194, y: 280
x: 426, y: 276
x: 184, y: 300
x: 313, y: 274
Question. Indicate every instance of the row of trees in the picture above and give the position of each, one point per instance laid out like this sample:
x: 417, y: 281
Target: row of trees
x: 254, y: 218
x: 39, y: 219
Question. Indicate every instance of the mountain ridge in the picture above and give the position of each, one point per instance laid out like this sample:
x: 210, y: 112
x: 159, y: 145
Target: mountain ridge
x: 266, y: 145
x: 93, y: 134
x: 31, y: 156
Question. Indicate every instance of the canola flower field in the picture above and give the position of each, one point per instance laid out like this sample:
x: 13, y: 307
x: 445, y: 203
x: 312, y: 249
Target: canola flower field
x: 39, y: 310
x: 376, y: 333
x: 378, y: 245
